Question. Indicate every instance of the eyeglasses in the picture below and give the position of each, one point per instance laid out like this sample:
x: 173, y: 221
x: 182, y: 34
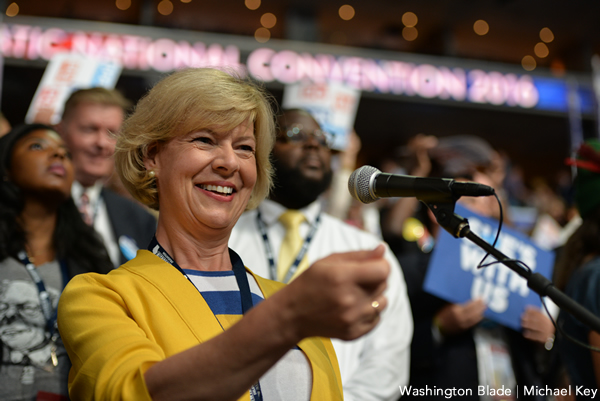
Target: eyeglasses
x: 296, y: 134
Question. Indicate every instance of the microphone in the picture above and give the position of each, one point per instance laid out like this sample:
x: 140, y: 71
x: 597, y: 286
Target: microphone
x: 367, y: 184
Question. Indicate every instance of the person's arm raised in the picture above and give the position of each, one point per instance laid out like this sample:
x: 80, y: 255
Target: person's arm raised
x: 333, y: 298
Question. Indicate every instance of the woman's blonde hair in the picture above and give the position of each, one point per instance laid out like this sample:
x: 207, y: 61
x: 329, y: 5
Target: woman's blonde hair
x: 187, y: 101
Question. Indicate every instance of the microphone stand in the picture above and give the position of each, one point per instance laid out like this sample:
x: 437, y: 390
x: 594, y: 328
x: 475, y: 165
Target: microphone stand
x: 458, y: 227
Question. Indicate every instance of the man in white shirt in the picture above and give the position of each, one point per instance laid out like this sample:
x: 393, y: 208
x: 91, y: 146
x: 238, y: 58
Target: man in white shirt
x: 375, y: 365
x: 90, y: 121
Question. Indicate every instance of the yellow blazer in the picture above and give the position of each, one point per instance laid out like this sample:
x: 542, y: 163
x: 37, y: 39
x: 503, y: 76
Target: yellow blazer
x: 116, y: 326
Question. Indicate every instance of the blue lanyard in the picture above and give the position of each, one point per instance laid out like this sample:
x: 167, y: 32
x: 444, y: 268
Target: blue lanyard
x: 240, y: 277
x: 50, y: 313
x: 45, y: 303
x: 238, y: 270
x: 269, y: 251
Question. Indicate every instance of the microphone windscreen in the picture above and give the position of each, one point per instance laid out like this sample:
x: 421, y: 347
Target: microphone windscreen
x: 359, y: 184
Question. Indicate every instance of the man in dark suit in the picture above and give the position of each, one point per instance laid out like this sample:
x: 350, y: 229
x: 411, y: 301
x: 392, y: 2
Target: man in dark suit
x: 91, y: 120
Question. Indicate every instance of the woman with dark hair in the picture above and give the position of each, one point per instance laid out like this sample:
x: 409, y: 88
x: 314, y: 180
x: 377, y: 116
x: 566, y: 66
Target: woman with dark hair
x: 43, y: 243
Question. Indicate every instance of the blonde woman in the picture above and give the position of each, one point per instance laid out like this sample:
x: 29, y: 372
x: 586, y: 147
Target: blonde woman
x: 185, y: 319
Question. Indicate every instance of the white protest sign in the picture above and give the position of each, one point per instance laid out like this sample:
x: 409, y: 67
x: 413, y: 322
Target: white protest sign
x: 332, y: 104
x: 65, y: 73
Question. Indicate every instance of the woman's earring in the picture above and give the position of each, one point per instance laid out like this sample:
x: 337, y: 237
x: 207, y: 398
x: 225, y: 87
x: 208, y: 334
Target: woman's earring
x: 151, y: 174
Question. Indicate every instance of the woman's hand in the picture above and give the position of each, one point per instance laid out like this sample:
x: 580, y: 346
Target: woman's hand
x: 337, y: 295
x: 456, y: 318
x: 333, y: 298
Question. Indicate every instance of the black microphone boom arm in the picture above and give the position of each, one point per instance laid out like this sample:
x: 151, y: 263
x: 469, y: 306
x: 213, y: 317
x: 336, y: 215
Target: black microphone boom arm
x: 459, y: 227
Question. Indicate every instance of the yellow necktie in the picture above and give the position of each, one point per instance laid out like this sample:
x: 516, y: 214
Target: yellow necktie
x: 291, y: 245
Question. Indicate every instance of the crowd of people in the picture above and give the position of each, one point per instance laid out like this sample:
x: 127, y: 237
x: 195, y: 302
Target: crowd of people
x: 203, y: 245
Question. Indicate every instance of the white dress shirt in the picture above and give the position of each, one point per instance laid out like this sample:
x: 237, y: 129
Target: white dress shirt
x: 99, y: 215
x: 375, y: 365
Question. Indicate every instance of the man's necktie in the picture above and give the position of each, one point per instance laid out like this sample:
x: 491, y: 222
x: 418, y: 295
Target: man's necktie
x: 291, y: 245
x: 85, y: 209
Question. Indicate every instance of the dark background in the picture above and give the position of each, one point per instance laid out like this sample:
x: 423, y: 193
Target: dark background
x: 539, y: 142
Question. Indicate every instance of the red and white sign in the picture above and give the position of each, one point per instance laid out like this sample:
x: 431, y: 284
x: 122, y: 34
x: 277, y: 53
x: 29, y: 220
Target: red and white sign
x: 65, y: 73
x: 332, y: 104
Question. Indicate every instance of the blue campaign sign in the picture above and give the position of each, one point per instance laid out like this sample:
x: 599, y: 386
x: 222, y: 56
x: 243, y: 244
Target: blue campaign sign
x: 453, y: 274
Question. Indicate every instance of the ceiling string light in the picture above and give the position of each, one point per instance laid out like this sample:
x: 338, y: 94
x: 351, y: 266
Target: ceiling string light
x: 262, y: 35
x: 123, y: 4
x: 409, y: 19
x: 12, y: 10
x: 541, y: 50
x: 252, y: 4
x: 546, y: 35
x: 481, y: 27
x: 346, y: 12
x: 268, y: 20
x: 165, y: 7
x: 410, y: 32
x: 528, y: 63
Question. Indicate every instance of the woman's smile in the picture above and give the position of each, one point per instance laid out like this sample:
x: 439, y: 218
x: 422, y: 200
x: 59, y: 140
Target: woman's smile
x: 221, y: 192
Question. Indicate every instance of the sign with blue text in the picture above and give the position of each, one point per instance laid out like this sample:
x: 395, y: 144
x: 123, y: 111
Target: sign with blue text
x: 453, y: 274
